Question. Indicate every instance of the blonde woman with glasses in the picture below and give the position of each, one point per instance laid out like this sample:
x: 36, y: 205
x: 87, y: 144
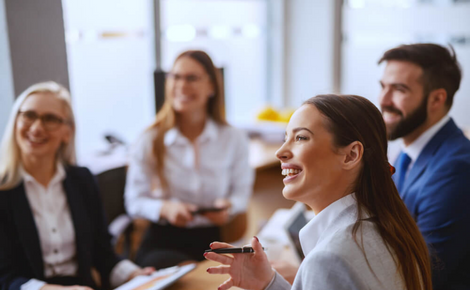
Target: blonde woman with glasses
x: 52, y: 227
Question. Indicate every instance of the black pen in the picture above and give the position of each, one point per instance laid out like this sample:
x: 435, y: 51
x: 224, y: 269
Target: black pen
x: 243, y: 250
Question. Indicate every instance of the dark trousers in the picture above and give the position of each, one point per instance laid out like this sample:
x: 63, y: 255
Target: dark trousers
x: 166, y: 245
x: 65, y: 281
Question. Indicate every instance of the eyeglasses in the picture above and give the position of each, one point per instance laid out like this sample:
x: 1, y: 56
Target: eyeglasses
x: 50, y: 122
x: 190, y: 78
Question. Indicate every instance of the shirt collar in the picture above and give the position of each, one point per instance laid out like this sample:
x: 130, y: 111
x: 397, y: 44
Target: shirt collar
x: 210, y: 131
x: 313, y: 230
x: 174, y: 136
x: 59, y: 175
x: 171, y: 136
x: 414, y: 149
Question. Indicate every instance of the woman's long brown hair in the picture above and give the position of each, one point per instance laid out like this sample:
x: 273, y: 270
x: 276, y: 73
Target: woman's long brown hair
x: 166, y: 117
x: 352, y: 118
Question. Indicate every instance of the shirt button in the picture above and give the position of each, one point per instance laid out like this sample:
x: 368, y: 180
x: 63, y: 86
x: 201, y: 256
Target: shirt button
x: 54, y: 230
x: 56, y: 251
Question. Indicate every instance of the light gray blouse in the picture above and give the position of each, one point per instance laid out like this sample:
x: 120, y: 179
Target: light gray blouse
x: 333, y: 260
x: 215, y: 166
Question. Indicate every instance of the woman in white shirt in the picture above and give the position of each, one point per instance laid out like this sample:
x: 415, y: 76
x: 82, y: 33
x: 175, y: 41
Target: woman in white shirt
x: 52, y: 226
x: 189, y: 161
x: 362, y: 235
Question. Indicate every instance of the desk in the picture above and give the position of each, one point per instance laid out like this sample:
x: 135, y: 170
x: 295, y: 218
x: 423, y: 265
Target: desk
x: 199, y: 279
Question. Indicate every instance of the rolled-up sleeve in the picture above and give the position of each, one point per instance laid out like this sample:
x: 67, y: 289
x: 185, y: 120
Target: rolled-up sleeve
x: 138, y: 200
x: 121, y: 273
x: 242, y: 175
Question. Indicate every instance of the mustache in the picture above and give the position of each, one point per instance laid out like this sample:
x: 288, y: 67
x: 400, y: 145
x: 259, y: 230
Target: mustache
x: 391, y: 110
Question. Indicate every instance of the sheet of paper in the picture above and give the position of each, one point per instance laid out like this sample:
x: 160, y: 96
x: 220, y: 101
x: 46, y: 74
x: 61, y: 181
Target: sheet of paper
x: 158, y: 280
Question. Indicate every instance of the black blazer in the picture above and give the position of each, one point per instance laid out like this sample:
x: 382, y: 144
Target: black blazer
x: 20, y: 250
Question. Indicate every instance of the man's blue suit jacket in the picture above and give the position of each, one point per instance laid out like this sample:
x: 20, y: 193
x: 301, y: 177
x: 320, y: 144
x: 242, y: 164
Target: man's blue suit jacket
x: 437, y: 194
x: 20, y: 249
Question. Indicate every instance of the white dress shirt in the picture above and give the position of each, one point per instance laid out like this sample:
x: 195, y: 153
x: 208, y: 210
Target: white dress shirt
x: 333, y: 260
x: 214, y: 166
x: 54, y: 224
x: 414, y: 149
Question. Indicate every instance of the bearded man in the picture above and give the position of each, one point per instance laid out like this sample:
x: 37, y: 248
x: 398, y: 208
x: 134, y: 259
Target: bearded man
x: 433, y: 168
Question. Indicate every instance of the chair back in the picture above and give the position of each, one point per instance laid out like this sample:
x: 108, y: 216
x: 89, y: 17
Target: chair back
x: 111, y: 184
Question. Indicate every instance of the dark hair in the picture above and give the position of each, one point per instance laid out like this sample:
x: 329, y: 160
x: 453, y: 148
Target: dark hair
x: 166, y: 117
x: 352, y: 118
x: 440, y: 66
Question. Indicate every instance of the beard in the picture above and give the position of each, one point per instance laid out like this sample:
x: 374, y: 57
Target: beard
x: 407, y: 125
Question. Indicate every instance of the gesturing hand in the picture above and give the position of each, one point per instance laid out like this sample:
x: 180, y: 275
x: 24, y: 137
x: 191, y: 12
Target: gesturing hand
x: 248, y: 271
x: 177, y: 213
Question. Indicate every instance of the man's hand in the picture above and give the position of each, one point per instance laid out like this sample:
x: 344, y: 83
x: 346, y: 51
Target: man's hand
x: 219, y: 218
x: 177, y: 213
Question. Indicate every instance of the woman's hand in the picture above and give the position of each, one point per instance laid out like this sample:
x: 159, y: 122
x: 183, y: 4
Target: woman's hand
x: 248, y: 271
x: 177, y: 213
x: 142, y: 271
x: 219, y: 218
x: 60, y: 287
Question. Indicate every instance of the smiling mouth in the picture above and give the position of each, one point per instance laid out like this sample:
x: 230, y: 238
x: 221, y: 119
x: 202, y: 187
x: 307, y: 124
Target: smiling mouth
x: 290, y: 174
x: 184, y: 99
x: 36, y: 141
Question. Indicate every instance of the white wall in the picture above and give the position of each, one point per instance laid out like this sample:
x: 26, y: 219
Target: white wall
x: 309, y: 49
x: 243, y: 57
x: 6, y: 81
x: 111, y: 61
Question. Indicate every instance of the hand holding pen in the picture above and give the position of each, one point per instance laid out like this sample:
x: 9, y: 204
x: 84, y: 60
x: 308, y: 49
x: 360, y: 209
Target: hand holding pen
x: 248, y: 271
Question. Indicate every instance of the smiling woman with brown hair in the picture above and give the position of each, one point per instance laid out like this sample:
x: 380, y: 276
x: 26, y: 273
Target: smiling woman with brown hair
x: 362, y: 235
x: 189, y: 172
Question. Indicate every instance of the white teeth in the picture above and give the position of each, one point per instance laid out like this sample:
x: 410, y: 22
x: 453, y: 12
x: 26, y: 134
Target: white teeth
x: 290, y: 171
x: 36, y: 140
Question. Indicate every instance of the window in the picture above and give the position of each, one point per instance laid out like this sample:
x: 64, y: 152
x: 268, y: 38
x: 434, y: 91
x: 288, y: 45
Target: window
x: 233, y: 33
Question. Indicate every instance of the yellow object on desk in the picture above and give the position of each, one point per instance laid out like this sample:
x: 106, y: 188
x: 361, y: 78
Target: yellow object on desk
x: 273, y: 115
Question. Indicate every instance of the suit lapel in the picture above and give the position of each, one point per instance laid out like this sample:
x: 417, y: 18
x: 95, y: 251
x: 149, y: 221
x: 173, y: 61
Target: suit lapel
x: 27, y: 231
x: 428, y: 152
x: 76, y: 209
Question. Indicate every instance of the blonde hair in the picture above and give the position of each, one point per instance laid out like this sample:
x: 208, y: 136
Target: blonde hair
x: 10, y: 159
x: 166, y: 117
